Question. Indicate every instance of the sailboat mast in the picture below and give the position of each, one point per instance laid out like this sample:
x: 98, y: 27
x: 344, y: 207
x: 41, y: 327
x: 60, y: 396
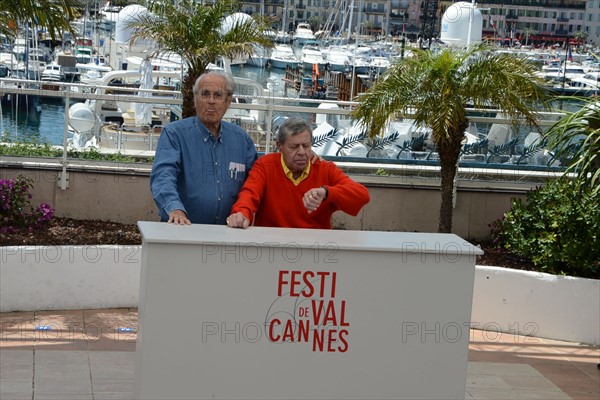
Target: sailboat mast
x: 284, y: 22
x: 350, y: 21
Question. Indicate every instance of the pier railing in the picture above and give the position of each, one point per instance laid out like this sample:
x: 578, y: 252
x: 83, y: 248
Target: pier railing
x: 257, y: 111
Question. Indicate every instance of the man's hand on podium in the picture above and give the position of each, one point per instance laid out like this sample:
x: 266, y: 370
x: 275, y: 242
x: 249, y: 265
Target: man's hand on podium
x: 238, y: 220
x: 178, y: 217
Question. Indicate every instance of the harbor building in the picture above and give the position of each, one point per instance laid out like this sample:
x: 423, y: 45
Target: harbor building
x: 533, y: 21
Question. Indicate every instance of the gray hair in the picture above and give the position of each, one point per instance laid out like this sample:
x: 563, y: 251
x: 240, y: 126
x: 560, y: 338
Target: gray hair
x: 291, y: 127
x: 229, y: 82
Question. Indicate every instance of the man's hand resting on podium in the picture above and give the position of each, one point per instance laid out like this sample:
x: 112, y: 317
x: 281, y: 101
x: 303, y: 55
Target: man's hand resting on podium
x: 178, y: 217
x: 238, y: 220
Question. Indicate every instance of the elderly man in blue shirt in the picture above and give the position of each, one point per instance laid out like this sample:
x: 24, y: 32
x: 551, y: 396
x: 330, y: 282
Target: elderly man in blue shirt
x: 201, y: 162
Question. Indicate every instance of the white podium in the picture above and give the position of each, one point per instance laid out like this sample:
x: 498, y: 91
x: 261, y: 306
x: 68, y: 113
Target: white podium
x: 272, y: 313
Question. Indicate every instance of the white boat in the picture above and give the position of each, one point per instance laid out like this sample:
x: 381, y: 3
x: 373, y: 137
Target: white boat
x: 53, y: 73
x: 336, y: 58
x: 379, y: 64
x: 303, y: 34
x: 360, y: 65
x: 283, y: 37
x: 550, y: 70
x: 68, y: 62
x: 283, y: 56
x: 259, y: 57
x: 311, y: 56
x: 92, y: 74
x: 588, y: 84
x: 8, y: 59
x: 20, y: 48
x: 571, y: 70
x: 51, y: 76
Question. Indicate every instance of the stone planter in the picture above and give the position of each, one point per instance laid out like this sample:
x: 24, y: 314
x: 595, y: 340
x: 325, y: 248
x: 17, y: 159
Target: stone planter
x: 508, y: 301
x: 69, y: 277
x: 505, y: 301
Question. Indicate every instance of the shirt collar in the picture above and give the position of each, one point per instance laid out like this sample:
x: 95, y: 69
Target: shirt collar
x: 206, y: 134
x: 290, y: 174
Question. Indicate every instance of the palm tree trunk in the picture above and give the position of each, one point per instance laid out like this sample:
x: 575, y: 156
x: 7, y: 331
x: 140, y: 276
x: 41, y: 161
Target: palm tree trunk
x: 188, y: 108
x: 449, y: 151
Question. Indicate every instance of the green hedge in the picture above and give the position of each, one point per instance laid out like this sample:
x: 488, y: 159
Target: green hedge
x: 557, y: 227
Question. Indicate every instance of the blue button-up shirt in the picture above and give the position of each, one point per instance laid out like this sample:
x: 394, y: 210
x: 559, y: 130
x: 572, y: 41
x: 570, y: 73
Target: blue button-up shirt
x: 195, y: 172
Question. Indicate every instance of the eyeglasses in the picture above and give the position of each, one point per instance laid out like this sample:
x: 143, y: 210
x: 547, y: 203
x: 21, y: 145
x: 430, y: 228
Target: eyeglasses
x: 217, y: 96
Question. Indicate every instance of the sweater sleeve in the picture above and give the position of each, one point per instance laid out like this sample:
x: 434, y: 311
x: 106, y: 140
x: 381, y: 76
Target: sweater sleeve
x: 345, y: 194
x: 252, y: 192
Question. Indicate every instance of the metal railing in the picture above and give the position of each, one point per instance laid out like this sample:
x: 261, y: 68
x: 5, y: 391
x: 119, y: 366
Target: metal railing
x: 257, y: 112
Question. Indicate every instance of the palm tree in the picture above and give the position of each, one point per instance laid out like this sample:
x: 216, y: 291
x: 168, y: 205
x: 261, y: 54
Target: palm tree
x: 580, y: 37
x: 528, y: 32
x: 576, y: 137
x: 195, y: 32
x: 52, y: 14
x: 438, y: 87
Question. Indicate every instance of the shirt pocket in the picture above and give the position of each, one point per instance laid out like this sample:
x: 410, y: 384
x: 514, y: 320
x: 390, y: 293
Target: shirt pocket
x: 237, y: 171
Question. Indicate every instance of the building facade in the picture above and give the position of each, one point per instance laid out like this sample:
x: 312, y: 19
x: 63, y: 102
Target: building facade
x: 592, y: 21
x: 535, y: 21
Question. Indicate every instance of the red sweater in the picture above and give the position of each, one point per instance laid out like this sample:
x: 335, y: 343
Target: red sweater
x: 270, y: 196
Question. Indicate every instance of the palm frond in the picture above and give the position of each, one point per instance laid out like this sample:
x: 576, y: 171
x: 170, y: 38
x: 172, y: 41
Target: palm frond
x: 407, y: 145
x: 51, y: 14
x: 320, y: 140
x: 350, y: 141
x: 380, y: 143
x: 503, y: 149
x: 475, y: 148
x: 531, y: 150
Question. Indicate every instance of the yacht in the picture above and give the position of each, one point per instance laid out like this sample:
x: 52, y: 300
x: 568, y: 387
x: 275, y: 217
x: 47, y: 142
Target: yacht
x: 92, y: 74
x: 311, y: 56
x: 588, y: 83
x: 303, y: 34
x: 52, y: 74
x: 337, y: 58
x: 380, y: 64
x: 282, y: 56
x: 259, y: 57
x: 572, y: 70
x: 283, y: 37
x: 360, y: 65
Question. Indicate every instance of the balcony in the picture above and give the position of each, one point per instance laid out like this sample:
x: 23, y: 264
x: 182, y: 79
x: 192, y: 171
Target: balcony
x: 512, y: 17
x: 562, y: 19
x: 370, y: 10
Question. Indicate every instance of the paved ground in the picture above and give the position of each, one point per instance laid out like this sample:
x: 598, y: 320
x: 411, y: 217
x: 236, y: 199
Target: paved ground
x: 89, y: 354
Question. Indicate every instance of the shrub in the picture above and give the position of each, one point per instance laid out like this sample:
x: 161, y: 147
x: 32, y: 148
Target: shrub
x: 557, y: 227
x: 16, y: 212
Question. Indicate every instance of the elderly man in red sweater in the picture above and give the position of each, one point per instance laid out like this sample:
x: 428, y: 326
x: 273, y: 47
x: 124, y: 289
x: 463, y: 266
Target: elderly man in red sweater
x: 286, y: 190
